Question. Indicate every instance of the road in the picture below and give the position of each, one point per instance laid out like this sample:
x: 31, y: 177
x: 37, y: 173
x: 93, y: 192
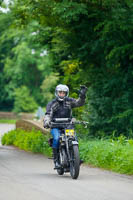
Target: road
x: 28, y: 176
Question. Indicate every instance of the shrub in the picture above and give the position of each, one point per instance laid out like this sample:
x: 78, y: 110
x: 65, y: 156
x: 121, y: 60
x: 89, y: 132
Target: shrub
x: 33, y: 141
x: 24, y: 102
x: 108, y: 154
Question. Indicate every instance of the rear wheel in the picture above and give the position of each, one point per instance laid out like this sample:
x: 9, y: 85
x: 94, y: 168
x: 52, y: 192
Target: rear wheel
x: 75, y: 162
x: 63, y: 158
x: 62, y: 161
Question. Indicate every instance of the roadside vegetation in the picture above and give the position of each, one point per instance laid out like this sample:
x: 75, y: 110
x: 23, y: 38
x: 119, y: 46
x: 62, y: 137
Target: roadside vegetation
x: 114, y: 154
x: 8, y: 121
x: 33, y: 141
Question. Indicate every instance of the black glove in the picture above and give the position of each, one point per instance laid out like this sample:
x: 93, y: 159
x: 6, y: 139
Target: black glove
x: 46, y: 124
x: 82, y: 91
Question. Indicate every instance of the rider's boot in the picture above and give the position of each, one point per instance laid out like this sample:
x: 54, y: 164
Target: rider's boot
x: 55, y: 155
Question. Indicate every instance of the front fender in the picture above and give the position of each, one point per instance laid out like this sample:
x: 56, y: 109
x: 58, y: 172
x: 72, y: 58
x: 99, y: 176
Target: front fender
x: 75, y: 143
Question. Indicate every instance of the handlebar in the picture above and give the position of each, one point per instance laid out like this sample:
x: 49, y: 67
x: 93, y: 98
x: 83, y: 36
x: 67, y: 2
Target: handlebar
x: 61, y: 122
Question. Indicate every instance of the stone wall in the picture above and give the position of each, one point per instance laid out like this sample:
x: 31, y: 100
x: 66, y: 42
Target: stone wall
x: 30, y: 124
x: 8, y: 115
x: 11, y: 115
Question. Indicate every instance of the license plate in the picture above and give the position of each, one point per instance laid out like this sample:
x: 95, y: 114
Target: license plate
x: 69, y: 132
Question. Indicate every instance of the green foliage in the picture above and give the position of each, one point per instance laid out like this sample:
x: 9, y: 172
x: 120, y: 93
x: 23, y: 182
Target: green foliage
x: 24, y: 60
x: 5, y: 46
x: 24, y: 102
x: 112, y: 155
x: 48, y: 87
x: 8, y: 121
x: 33, y: 141
x: 69, y: 10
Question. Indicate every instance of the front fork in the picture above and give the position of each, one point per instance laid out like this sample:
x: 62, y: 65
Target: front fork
x: 68, y: 146
x: 67, y: 149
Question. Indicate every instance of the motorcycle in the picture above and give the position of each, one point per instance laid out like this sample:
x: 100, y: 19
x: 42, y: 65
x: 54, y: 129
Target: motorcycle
x: 68, y: 154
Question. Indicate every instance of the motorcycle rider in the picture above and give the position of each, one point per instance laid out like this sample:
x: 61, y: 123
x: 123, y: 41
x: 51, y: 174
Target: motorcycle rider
x: 61, y: 107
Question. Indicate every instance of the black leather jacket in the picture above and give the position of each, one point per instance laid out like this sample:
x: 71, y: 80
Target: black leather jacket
x: 62, y: 109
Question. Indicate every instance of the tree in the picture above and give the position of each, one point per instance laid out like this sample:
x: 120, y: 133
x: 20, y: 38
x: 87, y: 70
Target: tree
x: 24, y: 102
x: 87, y: 42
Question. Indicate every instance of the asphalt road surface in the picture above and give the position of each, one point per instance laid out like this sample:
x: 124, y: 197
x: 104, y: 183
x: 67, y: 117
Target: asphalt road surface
x: 28, y: 176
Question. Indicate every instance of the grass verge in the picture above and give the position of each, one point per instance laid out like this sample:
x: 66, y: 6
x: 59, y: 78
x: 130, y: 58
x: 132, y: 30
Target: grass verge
x: 8, y: 121
x: 106, y: 154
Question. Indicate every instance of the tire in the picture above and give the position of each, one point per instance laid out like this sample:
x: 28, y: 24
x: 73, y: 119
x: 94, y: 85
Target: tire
x: 63, y: 158
x: 60, y: 171
x: 75, y: 162
x: 62, y: 161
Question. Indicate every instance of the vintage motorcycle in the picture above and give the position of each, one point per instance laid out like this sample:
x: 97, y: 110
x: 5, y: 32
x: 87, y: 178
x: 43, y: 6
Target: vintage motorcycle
x: 68, y: 155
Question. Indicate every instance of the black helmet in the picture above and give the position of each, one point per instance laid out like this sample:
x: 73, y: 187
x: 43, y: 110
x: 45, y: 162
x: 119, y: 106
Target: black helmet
x: 61, y: 88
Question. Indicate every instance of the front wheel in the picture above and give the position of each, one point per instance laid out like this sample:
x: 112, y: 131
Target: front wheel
x: 75, y: 162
